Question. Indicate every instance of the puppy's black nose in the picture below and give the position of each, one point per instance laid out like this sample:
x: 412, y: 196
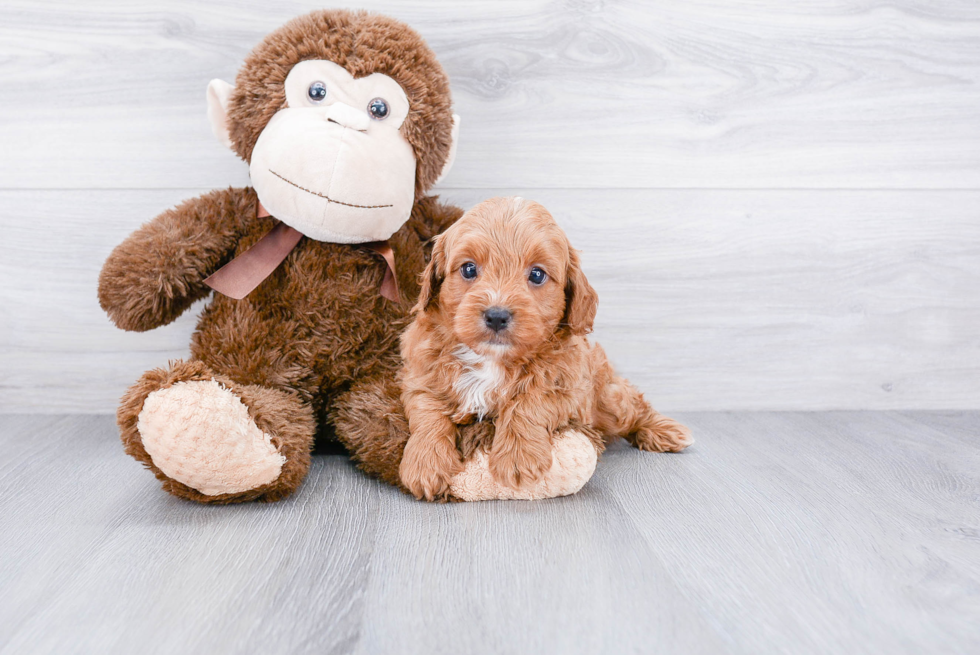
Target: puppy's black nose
x: 497, y: 318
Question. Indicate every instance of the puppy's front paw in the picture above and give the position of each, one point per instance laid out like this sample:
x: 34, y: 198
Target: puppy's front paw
x: 426, y: 472
x: 662, y: 435
x: 520, y: 462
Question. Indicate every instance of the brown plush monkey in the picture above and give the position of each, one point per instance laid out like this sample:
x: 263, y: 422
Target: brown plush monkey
x: 345, y: 120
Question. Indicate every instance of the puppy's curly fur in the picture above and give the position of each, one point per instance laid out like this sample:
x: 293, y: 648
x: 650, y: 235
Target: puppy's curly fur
x: 494, y: 338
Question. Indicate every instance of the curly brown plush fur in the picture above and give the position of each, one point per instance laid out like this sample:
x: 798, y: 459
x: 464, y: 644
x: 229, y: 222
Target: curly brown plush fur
x: 363, y: 43
x: 294, y: 349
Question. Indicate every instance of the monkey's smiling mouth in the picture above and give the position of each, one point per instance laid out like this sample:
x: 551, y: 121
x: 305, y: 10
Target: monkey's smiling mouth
x: 325, y: 197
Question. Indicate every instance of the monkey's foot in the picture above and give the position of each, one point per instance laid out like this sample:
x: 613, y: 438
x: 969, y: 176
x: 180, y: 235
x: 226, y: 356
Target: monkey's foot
x: 200, y: 434
x: 574, y: 459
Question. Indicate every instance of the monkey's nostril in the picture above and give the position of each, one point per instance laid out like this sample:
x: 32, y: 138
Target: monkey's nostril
x: 497, y: 318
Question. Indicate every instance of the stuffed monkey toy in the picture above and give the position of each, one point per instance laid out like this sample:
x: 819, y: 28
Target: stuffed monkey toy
x: 345, y: 121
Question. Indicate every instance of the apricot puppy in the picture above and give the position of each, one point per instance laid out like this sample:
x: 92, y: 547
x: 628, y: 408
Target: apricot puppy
x: 499, y: 334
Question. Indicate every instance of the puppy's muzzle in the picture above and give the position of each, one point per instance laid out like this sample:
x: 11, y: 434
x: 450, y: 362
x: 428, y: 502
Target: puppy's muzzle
x: 497, y: 318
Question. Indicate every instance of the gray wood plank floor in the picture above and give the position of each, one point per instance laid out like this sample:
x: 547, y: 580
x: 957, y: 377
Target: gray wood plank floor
x: 841, y: 532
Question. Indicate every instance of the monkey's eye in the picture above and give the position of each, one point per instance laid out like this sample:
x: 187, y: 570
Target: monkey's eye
x: 317, y: 92
x: 468, y: 270
x: 537, y: 276
x: 378, y: 108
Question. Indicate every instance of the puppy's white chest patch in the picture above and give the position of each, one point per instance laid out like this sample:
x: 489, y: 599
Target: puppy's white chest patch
x: 480, y: 376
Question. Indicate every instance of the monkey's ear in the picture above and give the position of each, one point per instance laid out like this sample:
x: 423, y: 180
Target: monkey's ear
x: 581, y: 300
x: 452, y: 151
x: 432, y: 277
x: 218, y: 93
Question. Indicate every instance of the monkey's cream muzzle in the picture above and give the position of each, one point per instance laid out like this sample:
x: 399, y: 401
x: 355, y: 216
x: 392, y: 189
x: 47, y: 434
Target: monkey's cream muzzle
x: 334, y: 174
x: 325, y: 164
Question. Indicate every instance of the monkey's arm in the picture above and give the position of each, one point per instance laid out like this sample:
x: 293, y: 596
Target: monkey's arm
x: 159, y: 270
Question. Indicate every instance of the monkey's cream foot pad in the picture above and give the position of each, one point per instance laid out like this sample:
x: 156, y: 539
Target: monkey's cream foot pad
x: 200, y: 434
x: 573, y: 463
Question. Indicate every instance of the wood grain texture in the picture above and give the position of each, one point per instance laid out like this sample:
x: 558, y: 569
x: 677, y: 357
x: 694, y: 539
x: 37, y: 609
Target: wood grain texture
x: 575, y: 93
x: 708, y: 300
x: 844, y: 532
x: 681, y: 145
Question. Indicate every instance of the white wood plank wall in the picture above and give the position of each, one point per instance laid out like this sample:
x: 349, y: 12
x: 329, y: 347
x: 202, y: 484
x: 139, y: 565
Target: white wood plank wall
x: 779, y: 202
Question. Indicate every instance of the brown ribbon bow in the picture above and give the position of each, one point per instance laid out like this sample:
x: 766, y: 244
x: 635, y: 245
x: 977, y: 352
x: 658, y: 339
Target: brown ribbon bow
x: 240, y: 276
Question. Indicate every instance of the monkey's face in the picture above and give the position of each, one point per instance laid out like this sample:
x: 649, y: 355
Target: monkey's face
x: 333, y: 163
x: 345, y: 119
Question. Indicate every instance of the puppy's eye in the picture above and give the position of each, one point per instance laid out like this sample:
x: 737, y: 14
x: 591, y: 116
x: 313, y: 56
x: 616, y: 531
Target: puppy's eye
x: 537, y: 276
x: 468, y: 270
x: 317, y: 92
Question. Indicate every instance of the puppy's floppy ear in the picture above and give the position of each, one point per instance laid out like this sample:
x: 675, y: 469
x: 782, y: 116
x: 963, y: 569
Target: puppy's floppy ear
x: 581, y: 300
x: 432, y: 277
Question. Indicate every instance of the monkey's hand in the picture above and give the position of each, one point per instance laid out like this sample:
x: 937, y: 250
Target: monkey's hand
x: 153, y: 276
